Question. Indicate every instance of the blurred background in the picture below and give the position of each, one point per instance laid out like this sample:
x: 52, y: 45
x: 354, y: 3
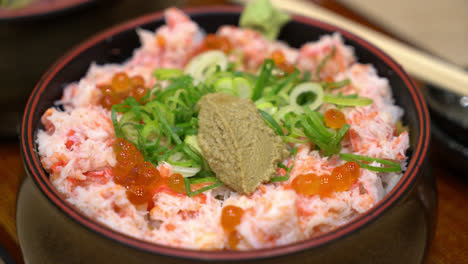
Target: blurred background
x: 438, y: 26
x: 31, y: 42
x: 32, y: 39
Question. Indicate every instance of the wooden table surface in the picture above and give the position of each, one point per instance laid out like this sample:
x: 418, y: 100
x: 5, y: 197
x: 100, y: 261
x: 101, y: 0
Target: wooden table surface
x: 450, y: 244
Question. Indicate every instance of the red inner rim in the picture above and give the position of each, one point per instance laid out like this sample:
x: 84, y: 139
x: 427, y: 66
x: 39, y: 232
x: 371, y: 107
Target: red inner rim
x: 41, y: 178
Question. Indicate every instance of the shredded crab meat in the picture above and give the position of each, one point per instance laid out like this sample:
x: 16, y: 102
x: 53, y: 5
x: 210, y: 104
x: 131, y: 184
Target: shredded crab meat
x: 75, y: 147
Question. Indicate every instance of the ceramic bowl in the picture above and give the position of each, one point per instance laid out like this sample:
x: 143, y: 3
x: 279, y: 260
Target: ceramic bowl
x: 397, y: 230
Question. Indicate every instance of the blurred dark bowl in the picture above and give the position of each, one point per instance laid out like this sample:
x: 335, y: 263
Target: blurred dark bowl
x: 31, y: 40
x: 397, y: 230
x: 449, y: 126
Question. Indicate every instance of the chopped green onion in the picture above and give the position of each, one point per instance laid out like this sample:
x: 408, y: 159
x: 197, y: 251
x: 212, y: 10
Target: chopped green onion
x: 281, y: 113
x: 341, y: 133
x: 166, y: 126
x: 192, y: 142
x: 302, y: 90
x: 200, y: 179
x: 346, y: 101
x: 173, y: 151
x: 324, y: 61
x: 185, y: 171
x: 192, y: 154
x: 205, y: 64
x: 115, y: 123
x: 131, y: 132
x: 167, y: 74
x: 265, y: 74
x: 312, y: 134
x: 390, y: 165
x: 179, y: 83
x: 335, y: 85
x: 243, y: 87
x: 272, y: 123
x: 316, y: 119
x: 238, y: 86
x: 225, y: 85
x: 204, y: 189
x: 306, y: 76
x: 314, y: 128
x: 288, y: 170
x: 286, y: 81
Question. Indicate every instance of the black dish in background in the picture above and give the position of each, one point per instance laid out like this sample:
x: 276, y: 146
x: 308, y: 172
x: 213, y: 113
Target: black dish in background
x: 29, y: 46
x: 449, y: 126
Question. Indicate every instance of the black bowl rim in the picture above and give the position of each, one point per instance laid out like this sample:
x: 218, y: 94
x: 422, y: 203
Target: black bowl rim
x: 40, y: 177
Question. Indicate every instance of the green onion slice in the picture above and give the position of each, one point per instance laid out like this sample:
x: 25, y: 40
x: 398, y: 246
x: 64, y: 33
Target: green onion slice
x: 205, y: 64
x: 287, y: 81
x: 283, y: 111
x: 185, y: 171
x: 115, y: 123
x: 324, y: 61
x: 272, y: 123
x: 199, y: 178
x: 390, y: 166
x: 301, y: 90
x: 288, y: 170
x: 243, y: 87
x: 167, y: 73
x: 346, y: 100
x: 192, y: 142
x: 238, y: 86
x: 265, y: 74
x: 335, y: 85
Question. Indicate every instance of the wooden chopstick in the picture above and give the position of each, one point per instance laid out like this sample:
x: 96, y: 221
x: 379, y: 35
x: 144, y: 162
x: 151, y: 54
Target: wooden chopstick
x: 419, y: 64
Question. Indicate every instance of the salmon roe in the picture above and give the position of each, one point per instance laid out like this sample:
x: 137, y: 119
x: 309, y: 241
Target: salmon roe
x: 341, y: 179
x: 121, y: 87
x: 214, y: 42
x: 306, y: 184
x: 161, y: 41
x: 327, y: 185
x: 233, y: 239
x: 231, y: 217
x: 176, y: 183
x: 139, y: 177
x: 334, y: 118
x: 280, y: 61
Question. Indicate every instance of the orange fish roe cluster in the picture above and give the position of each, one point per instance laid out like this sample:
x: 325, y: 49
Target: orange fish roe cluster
x: 121, y: 87
x: 230, y: 219
x: 233, y: 239
x: 139, y: 177
x: 176, y: 183
x: 214, y: 42
x: 161, y: 41
x: 334, y: 118
x: 341, y: 179
x: 280, y: 61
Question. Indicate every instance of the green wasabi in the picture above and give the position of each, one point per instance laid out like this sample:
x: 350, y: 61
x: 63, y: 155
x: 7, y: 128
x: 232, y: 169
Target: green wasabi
x: 262, y: 16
